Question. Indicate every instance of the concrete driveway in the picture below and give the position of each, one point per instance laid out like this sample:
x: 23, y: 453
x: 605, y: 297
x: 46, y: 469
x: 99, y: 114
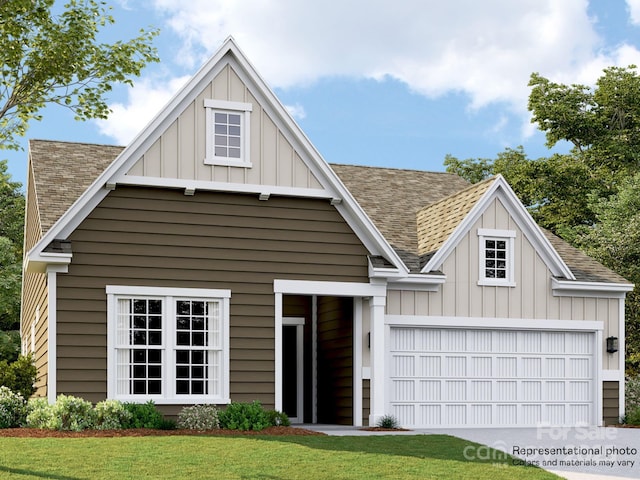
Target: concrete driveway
x: 574, y: 453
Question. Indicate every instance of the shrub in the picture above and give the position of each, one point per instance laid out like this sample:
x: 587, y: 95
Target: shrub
x: 68, y: 413
x: 143, y: 415
x: 111, y: 415
x: 244, y: 416
x: 19, y: 376
x: 632, y: 417
x: 388, y: 421
x: 40, y: 414
x: 13, y: 411
x: 278, y: 419
x: 73, y: 413
x: 199, y: 417
x: 167, y: 424
x: 632, y: 393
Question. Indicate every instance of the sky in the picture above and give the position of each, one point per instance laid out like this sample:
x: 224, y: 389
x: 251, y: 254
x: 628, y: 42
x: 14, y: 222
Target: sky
x: 372, y: 82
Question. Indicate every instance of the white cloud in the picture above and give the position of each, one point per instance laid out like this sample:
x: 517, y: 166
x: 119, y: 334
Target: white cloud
x: 634, y: 11
x: 485, y: 50
x: 144, y: 101
x: 296, y: 111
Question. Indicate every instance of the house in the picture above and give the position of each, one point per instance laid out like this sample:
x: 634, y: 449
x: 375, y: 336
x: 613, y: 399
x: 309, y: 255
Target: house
x: 219, y: 258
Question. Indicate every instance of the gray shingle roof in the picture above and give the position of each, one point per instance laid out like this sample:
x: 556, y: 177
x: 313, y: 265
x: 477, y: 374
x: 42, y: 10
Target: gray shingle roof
x: 392, y: 198
x: 63, y: 171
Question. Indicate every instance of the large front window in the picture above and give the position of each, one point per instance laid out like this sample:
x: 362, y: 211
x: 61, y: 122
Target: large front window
x: 168, y: 344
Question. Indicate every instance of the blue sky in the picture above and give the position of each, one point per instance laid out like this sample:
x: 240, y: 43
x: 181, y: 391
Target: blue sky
x: 373, y: 82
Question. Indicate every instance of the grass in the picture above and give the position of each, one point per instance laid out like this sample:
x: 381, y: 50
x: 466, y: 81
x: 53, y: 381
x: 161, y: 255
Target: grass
x: 277, y: 457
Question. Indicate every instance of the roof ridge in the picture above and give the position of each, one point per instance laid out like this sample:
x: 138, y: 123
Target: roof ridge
x: 376, y: 167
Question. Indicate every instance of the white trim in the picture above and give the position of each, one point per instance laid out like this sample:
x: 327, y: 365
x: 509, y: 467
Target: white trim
x: 597, y: 379
x: 167, y: 291
x: 508, y: 236
x: 493, y: 323
x: 298, y: 323
x: 379, y: 360
x: 52, y: 344
x: 278, y: 351
x: 342, y: 289
x: 494, y: 232
x: 202, y: 185
x: 357, y: 362
x: 244, y: 110
x: 573, y: 288
x: 314, y: 359
x: 169, y: 395
x: 500, y: 189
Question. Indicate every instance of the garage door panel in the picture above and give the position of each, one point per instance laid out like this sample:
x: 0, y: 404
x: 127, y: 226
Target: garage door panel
x: 453, y: 377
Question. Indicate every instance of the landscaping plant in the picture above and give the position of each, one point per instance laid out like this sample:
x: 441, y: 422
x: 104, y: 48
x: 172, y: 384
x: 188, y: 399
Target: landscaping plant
x: 144, y: 415
x: 244, y: 416
x: 111, y: 415
x: 13, y: 411
x: 199, y: 417
x: 388, y: 421
x: 19, y: 376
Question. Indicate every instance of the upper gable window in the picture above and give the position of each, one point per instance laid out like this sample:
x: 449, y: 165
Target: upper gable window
x: 227, y: 138
x: 496, y: 257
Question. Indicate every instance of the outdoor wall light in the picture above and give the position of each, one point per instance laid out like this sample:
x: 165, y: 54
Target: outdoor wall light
x: 612, y: 344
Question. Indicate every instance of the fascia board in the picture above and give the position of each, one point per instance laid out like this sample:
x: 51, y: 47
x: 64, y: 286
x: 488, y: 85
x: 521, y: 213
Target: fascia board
x: 562, y: 288
x: 501, y: 189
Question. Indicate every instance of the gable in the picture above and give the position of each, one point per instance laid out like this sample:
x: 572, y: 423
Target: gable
x: 180, y: 151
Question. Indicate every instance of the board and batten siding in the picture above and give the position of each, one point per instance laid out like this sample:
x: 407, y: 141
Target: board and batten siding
x: 180, y: 150
x: 35, y: 300
x: 159, y: 237
x: 531, y: 298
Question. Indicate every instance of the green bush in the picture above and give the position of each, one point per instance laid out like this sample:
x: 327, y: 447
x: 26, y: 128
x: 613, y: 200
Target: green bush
x: 167, y: 424
x: 143, y: 415
x: 68, y: 413
x: 278, y: 419
x: 111, y: 415
x: 13, y: 409
x: 19, y: 376
x: 244, y: 416
x: 199, y: 417
x: 388, y: 421
x: 632, y: 417
x: 40, y: 414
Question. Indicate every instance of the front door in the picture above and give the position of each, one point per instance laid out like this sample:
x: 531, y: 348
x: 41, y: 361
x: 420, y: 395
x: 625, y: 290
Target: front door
x: 293, y: 368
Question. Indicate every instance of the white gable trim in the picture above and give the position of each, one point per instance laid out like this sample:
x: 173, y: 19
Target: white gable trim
x: 500, y: 189
x: 116, y: 172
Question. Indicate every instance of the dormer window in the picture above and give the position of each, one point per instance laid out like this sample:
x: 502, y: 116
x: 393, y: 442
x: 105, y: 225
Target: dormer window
x: 496, y: 257
x: 227, y: 138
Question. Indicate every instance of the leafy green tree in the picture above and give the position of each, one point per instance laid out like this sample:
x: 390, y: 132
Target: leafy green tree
x: 51, y: 58
x: 615, y: 241
x: 11, y: 233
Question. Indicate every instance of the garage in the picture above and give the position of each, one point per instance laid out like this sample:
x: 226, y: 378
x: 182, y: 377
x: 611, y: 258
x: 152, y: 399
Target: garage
x: 447, y: 377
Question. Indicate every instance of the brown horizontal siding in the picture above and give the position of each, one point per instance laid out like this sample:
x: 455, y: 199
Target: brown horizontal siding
x: 610, y: 403
x: 156, y: 237
x: 366, y: 402
x: 335, y: 360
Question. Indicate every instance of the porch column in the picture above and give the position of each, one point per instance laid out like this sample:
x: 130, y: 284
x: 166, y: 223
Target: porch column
x: 378, y: 357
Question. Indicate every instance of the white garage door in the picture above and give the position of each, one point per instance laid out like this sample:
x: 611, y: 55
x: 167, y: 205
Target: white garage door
x: 455, y: 377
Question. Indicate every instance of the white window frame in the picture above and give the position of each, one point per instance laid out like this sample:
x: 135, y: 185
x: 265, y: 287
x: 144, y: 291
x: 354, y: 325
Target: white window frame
x: 222, y: 106
x: 507, y: 236
x: 169, y: 296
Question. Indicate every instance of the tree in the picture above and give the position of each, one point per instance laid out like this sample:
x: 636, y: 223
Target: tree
x: 48, y: 58
x: 11, y: 233
x: 615, y: 241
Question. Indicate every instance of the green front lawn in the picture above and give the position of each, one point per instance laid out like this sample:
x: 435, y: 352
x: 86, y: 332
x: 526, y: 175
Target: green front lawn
x: 276, y: 457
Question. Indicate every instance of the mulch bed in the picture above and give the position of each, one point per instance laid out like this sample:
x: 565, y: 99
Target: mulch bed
x: 146, y: 432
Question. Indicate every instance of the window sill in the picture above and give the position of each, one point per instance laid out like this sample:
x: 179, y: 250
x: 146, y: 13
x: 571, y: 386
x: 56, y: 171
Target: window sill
x: 190, y: 400
x: 227, y: 162
x: 493, y: 283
